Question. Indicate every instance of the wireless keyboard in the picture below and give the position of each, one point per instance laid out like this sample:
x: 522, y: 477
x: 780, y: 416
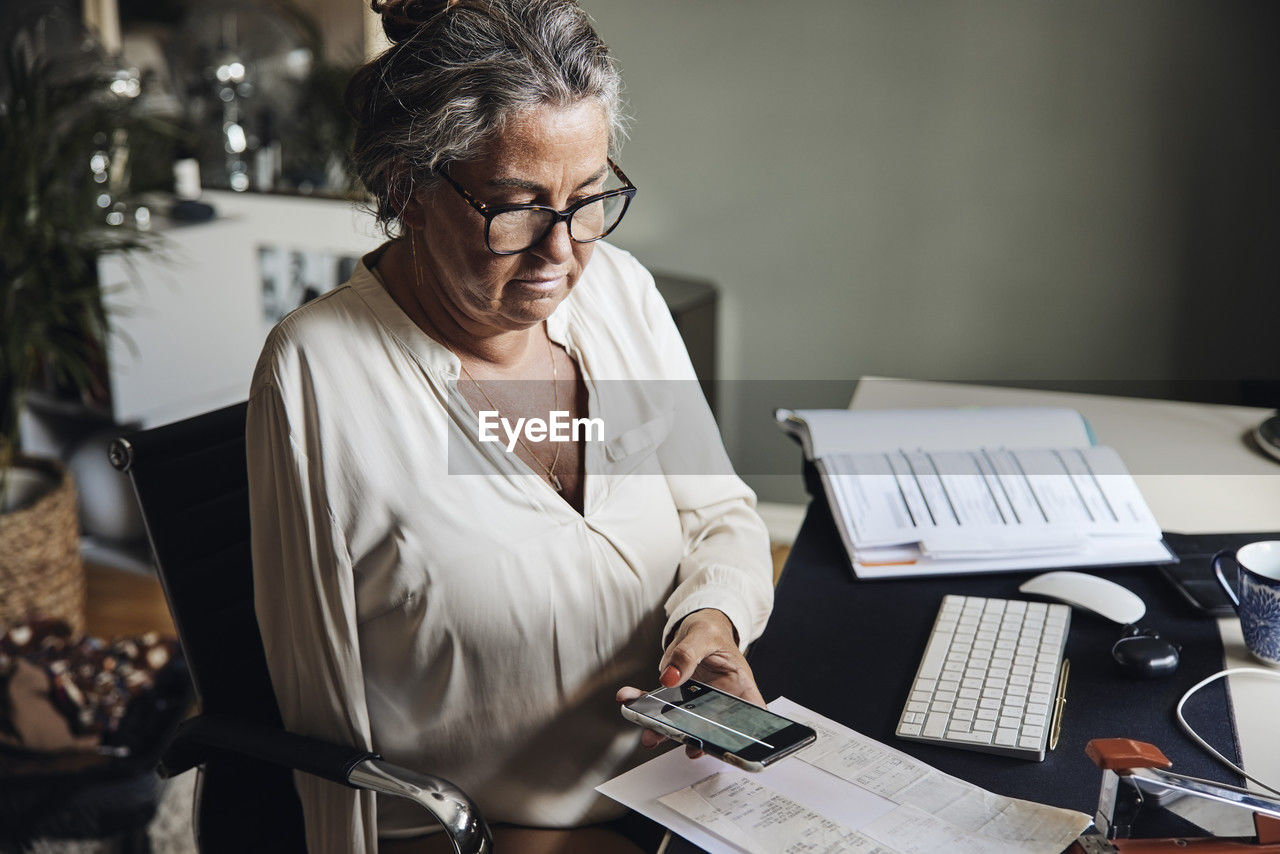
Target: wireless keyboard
x: 993, y: 677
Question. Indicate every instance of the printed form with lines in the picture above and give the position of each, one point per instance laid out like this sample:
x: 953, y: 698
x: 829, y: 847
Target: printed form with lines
x: 990, y: 499
x: 1025, y: 508
x: 955, y: 491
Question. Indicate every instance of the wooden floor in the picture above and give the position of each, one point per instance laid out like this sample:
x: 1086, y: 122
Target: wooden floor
x: 779, y: 558
x: 124, y: 603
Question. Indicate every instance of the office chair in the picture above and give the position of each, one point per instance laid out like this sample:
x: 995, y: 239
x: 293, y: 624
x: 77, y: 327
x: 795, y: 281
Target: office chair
x: 191, y: 481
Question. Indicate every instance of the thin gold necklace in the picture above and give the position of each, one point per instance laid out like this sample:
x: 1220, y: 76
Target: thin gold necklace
x: 555, y: 386
x: 550, y: 470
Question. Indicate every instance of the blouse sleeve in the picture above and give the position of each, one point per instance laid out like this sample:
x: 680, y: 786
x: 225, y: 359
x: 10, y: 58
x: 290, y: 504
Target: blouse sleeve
x: 305, y: 602
x: 726, y: 563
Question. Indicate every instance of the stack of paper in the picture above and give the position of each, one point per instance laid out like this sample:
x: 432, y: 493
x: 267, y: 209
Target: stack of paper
x: 843, y: 793
x: 942, y: 491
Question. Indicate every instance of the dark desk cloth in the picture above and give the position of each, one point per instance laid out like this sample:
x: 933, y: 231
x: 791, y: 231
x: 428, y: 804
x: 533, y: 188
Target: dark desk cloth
x: 848, y: 649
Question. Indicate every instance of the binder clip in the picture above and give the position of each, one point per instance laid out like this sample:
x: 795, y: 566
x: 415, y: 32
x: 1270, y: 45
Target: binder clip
x: 1133, y: 775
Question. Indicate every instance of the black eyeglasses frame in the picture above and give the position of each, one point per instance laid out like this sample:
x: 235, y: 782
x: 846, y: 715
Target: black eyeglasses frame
x: 489, y: 212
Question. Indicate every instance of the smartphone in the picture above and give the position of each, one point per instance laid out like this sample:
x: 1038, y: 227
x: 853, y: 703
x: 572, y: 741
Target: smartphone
x: 721, y: 724
x: 1192, y: 575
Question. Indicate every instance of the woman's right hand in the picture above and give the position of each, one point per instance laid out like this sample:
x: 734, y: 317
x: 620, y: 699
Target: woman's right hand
x: 705, y: 648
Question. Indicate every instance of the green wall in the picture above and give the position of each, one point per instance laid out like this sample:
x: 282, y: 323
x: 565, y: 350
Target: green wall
x: 988, y: 190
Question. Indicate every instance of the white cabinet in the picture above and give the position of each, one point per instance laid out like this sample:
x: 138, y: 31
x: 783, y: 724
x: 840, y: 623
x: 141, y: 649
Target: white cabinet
x: 189, y: 318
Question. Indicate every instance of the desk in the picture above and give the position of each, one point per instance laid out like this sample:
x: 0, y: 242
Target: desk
x: 1197, y: 473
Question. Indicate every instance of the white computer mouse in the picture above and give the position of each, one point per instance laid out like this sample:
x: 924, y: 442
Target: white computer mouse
x: 1089, y: 592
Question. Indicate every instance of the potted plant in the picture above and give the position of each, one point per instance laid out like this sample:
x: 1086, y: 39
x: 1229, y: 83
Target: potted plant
x: 60, y: 118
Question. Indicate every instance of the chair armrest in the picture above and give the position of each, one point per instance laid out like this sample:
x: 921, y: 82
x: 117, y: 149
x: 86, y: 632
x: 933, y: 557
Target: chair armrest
x: 449, y: 804
x: 359, y: 769
x: 198, y: 737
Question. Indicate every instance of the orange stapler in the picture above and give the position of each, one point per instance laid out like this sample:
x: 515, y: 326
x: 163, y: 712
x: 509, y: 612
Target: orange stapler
x: 1132, y: 771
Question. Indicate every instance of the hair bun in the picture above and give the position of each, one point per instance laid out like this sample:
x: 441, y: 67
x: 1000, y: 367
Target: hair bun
x: 402, y: 18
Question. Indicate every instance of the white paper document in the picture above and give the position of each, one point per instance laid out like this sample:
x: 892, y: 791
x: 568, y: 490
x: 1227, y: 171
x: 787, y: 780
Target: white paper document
x: 823, y: 432
x: 845, y: 792
x: 990, y: 500
x: 938, y: 491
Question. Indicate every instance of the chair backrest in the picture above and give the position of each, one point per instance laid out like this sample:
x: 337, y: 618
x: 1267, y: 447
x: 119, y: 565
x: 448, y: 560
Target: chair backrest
x: 192, y: 485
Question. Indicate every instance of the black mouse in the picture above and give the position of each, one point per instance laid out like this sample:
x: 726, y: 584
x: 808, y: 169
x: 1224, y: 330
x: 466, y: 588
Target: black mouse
x: 1143, y: 654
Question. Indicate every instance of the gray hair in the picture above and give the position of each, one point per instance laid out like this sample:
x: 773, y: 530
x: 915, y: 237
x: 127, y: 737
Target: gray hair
x: 455, y: 73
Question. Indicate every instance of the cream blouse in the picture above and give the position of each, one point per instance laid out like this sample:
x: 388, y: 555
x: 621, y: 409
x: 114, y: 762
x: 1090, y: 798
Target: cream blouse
x: 426, y: 596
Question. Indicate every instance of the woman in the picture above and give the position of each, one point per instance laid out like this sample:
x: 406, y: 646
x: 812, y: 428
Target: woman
x: 422, y: 592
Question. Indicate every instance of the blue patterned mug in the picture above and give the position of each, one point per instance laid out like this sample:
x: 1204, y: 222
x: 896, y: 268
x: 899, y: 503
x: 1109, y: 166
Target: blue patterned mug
x: 1256, y: 597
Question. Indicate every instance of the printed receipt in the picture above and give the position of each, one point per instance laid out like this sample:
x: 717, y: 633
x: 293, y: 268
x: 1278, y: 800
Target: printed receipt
x: 924, y: 810
x: 761, y: 821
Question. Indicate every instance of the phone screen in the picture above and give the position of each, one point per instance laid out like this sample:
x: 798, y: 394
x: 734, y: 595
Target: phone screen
x: 723, y: 721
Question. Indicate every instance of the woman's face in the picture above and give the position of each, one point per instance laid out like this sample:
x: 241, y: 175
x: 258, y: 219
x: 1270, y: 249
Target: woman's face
x: 545, y: 155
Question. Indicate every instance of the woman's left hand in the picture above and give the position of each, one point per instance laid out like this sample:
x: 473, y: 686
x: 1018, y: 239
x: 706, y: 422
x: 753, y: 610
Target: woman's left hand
x: 704, y: 647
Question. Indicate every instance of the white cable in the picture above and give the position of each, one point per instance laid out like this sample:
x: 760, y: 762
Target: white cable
x: 1255, y: 671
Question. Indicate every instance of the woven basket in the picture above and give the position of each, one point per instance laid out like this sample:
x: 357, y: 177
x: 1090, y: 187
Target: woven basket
x: 40, y: 570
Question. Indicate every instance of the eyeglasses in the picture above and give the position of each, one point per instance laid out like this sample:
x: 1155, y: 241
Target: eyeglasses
x: 511, y: 229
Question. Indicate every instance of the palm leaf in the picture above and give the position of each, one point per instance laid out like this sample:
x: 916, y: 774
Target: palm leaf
x: 54, y: 114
